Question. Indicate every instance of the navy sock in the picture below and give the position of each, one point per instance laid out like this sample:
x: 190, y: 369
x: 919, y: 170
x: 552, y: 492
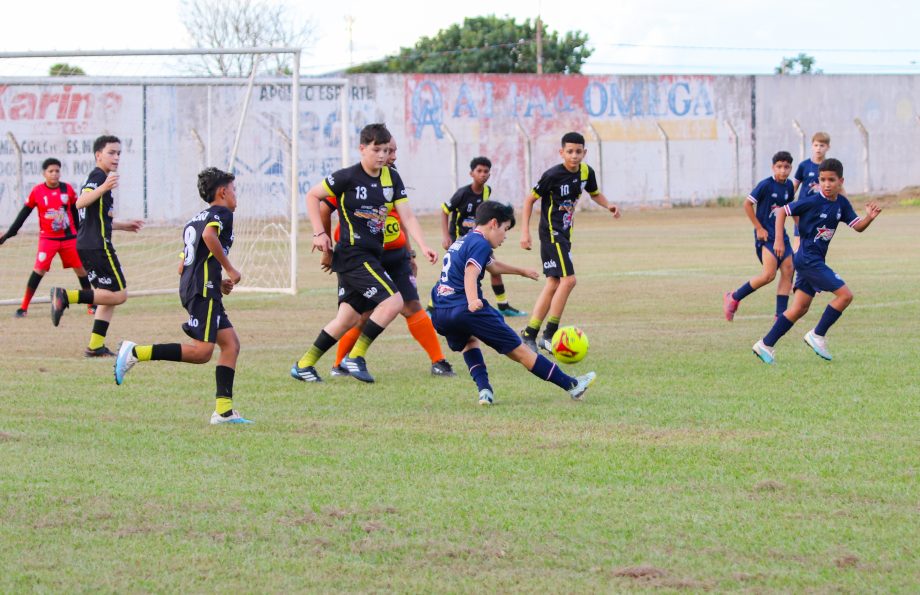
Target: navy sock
x: 829, y: 317
x: 782, y: 302
x: 743, y: 291
x: 547, y: 370
x: 477, y: 365
x: 780, y: 328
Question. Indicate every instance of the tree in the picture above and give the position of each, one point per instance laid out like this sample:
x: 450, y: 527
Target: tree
x: 64, y: 69
x: 243, y: 24
x: 805, y: 62
x: 487, y: 44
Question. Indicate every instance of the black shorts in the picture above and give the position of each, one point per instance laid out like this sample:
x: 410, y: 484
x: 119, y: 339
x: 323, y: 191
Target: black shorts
x: 206, y: 316
x: 103, y: 269
x: 363, y: 282
x: 399, y: 266
x: 556, y: 257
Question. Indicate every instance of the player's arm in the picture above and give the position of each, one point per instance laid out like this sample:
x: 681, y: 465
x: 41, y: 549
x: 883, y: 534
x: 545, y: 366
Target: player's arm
x: 526, y: 243
x: 14, y: 227
x: 872, y: 211
x: 471, y: 286
x: 415, y: 230
x: 321, y: 239
x: 325, y: 215
x: 601, y: 200
x: 134, y: 225
x: 212, y: 241
x: 779, y: 244
x: 91, y: 195
x: 445, y: 227
x: 497, y: 267
x: 760, y: 230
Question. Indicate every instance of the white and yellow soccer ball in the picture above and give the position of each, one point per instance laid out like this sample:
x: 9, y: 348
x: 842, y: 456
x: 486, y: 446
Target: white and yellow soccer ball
x: 570, y: 344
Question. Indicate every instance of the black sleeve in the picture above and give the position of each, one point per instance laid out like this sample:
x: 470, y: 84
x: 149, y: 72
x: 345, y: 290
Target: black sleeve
x: 72, y: 208
x: 14, y: 227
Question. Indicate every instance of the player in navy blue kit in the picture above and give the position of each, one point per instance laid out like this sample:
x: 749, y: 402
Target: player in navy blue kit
x: 464, y: 318
x: 805, y: 180
x: 819, y: 214
x: 558, y: 190
x: 761, y: 205
x: 208, y: 237
x: 366, y: 193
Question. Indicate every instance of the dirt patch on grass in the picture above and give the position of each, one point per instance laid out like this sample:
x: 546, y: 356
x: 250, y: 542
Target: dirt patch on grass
x: 846, y: 561
x: 640, y: 572
x: 373, y: 526
x: 5, y: 437
x: 769, y: 485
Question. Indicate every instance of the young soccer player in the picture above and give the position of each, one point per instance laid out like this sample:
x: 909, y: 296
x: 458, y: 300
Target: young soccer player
x: 805, y: 181
x: 819, y: 214
x: 768, y: 196
x: 94, y: 244
x: 367, y: 192
x: 208, y: 237
x: 399, y: 262
x: 57, y: 220
x: 458, y: 218
x: 558, y: 191
x: 465, y: 318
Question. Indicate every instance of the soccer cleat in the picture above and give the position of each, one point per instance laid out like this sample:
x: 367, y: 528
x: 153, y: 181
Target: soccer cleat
x: 486, y: 397
x: 529, y: 341
x: 20, y: 313
x: 233, y: 418
x: 763, y: 352
x: 357, y: 367
x: 510, y: 311
x: 819, y: 344
x: 546, y: 344
x: 124, y: 361
x: 91, y: 309
x: 442, y: 368
x: 59, y: 303
x: 338, y: 371
x: 98, y: 352
x: 729, y: 306
x: 307, y: 374
x: 582, y: 384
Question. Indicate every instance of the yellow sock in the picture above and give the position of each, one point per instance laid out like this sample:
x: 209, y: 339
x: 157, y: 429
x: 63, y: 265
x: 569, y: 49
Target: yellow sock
x: 310, y: 357
x: 501, y: 298
x: 96, y: 341
x: 360, y: 348
x: 224, y: 404
x: 144, y: 352
x: 534, y: 324
x: 73, y: 296
x: 553, y: 320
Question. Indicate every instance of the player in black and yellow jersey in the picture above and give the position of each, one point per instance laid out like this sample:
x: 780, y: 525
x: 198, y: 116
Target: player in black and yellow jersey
x: 366, y: 193
x: 458, y: 218
x: 94, y: 244
x: 558, y: 191
x: 208, y: 237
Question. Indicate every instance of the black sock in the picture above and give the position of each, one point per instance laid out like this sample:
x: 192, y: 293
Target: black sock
x: 551, y: 328
x: 100, y: 327
x: 84, y: 282
x: 34, y: 280
x: 169, y: 352
x: 224, y: 377
x: 86, y: 296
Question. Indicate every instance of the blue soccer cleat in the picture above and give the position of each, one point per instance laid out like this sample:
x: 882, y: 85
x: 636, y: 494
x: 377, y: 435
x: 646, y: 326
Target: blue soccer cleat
x: 124, y: 361
x: 357, y: 367
x: 819, y: 344
x: 233, y: 418
x: 307, y: 374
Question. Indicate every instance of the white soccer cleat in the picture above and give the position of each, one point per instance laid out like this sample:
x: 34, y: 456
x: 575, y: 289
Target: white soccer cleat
x: 819, y: 344
x: 763, y: 352
x: 583, y: 382
x: 233, y: 418
x: 125, y: 360
x: 486, y: 397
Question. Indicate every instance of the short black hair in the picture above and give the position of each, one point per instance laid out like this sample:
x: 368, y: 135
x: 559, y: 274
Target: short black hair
x: 833, y: 165
x: 492, y: 209
x: 375, y: 133
x: 103, y: 140
x: 477, y: 161
x: 49, y: 162
x: 210, y: 180
x: 784, y: 156
x: 574, y: 138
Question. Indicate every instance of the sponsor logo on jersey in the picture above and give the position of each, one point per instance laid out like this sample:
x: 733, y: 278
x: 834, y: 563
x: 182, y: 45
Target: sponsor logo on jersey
x: 105, y: 280
x: 446, y: 290
x: 192, y: 322
x: 550, y: 264
x: 371, y: 292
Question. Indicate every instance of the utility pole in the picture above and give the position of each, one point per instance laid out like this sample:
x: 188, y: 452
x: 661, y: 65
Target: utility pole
x: 349, y: 25
x: 539, y: 45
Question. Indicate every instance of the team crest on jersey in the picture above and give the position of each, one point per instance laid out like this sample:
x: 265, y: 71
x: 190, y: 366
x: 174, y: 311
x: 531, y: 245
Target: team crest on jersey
x: 388, y: 193
x: 446, y: 290
x: 824, y: 233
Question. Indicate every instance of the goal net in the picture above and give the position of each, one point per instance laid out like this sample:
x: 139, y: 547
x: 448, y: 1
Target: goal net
x: 175, y: 113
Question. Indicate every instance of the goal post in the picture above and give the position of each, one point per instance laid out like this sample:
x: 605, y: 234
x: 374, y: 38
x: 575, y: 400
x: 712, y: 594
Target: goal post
x: 173, y: 120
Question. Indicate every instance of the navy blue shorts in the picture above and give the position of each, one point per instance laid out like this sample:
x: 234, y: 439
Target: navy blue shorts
x: 759, y: 246
x: 817, y: 277
x: 458, y: 325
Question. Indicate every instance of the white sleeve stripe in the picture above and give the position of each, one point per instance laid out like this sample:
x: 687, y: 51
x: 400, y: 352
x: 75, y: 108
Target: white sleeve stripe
x: 787, y: 209
x: 854, y: 221
x: 472, y: 261
x: 752, y: 199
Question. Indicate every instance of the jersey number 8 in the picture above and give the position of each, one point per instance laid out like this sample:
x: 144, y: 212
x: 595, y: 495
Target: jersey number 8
x: 190, y: 237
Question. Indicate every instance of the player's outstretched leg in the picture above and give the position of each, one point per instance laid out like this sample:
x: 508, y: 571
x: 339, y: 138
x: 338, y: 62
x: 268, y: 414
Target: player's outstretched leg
x: 546, y: 370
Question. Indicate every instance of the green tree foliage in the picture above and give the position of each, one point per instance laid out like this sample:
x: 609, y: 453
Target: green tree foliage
x: 64, y: 69
x: 804, y: 62
x: 487, y: 44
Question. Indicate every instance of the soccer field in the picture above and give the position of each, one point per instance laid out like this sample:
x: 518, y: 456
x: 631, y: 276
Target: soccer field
x: 689, y: 465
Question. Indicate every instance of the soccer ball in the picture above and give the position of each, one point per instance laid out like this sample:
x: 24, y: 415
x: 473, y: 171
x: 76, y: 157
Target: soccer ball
x: 570, y: 344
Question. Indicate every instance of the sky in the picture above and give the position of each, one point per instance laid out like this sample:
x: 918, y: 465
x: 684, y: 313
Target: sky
x: 628, y: 36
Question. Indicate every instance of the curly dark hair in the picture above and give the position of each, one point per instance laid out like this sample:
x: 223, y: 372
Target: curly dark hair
x: 209, y: 180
